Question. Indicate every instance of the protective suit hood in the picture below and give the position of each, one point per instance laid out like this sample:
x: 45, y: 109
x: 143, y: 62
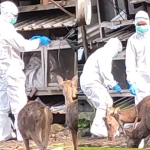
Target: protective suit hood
x: 112, y: 47
x: 141, y: 16
x: 8, y: 10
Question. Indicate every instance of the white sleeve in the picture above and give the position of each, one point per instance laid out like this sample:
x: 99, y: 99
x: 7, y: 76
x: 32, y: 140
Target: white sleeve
x: 18, y: 42
x: 105, y: 72
x: 130, y: 62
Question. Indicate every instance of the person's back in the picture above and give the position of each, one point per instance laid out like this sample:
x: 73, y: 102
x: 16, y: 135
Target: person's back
x: 91, y: 68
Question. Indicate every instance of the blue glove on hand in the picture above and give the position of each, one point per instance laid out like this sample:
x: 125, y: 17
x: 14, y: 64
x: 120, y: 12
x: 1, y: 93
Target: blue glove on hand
x: 133, y: 89
x: 44, y: 40
x: 117, y: 88
x: 35, y: 37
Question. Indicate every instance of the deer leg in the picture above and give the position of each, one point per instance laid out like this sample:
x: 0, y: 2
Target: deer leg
x: 146, y: 141
x: 74, y: 138
x: 36, y: 136
x: 120, y: 124
x: 26, y: 143
x: 136, y: 119
x: 45, y: 138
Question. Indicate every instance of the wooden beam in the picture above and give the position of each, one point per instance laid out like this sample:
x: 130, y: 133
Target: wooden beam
x: 71, y: 3
x: 113, y: 23
x: 100, y: 19
x: 64, y: 10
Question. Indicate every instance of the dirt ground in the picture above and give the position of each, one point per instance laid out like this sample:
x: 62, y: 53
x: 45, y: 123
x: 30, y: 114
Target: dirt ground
x: 60, y: 139
x: 119, y: 142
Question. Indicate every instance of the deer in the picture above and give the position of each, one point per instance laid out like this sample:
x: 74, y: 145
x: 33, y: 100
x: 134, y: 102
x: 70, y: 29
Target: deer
x: 141, y: 131
x: 70, y: 93
x: 116, y: 118
x: 34, y: 122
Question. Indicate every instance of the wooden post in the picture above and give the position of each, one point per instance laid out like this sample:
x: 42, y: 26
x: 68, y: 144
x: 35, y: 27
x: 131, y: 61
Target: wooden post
x: 100, y: 20
x: 84, y: 40
x: 126, y: 7
x: 44, y: 2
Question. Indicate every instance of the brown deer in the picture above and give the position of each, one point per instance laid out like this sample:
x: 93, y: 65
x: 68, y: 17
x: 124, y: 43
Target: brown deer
x: 34, y: 122
x: 141, y: 131
x: 131, y: 115
x: 70, y: 92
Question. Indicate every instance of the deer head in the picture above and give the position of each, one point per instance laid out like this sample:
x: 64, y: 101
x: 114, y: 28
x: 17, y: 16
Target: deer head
x: 69, y: 87
x: 131, y: 141
x: 111, y: 123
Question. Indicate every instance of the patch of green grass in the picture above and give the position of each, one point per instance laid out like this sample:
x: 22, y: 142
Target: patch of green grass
x: 83, y: 123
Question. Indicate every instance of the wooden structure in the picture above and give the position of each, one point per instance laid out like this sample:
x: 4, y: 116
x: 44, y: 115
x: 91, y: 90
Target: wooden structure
x: 34, y: 18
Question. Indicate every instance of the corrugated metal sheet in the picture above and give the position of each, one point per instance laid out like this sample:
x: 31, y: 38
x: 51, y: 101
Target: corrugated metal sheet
x: 45, y: 22
x: 93, y: 34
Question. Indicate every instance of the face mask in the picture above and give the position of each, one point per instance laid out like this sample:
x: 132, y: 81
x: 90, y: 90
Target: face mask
x: 14, y: 20
x: 142, y: 29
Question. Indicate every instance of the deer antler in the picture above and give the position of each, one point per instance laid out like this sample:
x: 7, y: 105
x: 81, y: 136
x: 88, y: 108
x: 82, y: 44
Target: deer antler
x: 116, y: 111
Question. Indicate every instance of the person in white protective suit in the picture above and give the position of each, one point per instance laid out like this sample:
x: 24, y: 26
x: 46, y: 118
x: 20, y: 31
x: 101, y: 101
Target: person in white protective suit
x: 138, y: 58
x: 12, y: 79
x: 95, y: 78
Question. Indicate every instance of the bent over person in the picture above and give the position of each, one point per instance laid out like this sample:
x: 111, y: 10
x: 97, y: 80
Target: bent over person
x: 96, y: 77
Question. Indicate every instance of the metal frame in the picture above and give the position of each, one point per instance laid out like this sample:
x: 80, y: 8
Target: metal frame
x: 53, y: 89
x: 40, y: 49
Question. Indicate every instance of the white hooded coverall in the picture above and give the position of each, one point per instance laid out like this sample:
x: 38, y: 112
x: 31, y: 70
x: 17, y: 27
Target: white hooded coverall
x: 138, y: 59
x: 96, y: 75
x: 12, y: 79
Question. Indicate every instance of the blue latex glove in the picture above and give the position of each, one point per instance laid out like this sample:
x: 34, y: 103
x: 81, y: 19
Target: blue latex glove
x: 44, y: 40
x: 117, y: 88
x: 35, y: 37
x: 133, y: 89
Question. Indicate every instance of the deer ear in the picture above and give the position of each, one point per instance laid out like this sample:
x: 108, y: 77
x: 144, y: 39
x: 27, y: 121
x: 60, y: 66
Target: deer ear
x: 129, y: 134
x: 74, y: 80
x: 60, y: 80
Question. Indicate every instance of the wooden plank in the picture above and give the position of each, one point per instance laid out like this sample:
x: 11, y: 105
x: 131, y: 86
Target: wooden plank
x: 113, y: 23
x: 64, y: 10
x: 43, y: 67
x: 100, y: 19
x: 32, y: 93
x: 46, y: 67
x: 44, y: 2
x: 70, y: 3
